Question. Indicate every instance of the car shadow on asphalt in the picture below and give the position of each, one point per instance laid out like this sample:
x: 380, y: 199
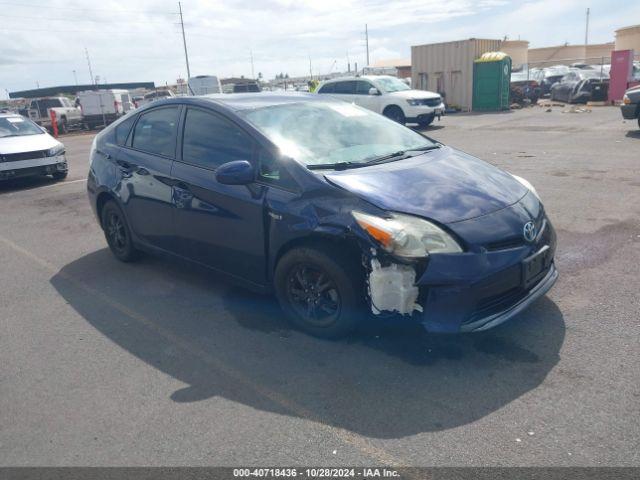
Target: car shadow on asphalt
x: 390, y: 379
x: 25, y: 183
x: 633, y: 134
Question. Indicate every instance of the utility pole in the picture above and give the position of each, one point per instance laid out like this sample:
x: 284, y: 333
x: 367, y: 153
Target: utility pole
x: 366, y: 37
x: 86, y: 52
x: 184, y: 42
x: 75, y: 77
x: 253, y: 76
x: 310, y: 70
x: 586, y: 31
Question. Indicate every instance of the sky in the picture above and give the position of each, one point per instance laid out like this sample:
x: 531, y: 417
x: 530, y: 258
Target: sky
x: 43, y: 42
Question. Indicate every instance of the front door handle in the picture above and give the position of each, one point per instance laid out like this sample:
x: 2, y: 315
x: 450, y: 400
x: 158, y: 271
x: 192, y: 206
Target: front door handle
x: 125, y: 168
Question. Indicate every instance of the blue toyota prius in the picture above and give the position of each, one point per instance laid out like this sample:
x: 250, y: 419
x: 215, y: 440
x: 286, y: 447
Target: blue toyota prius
x: 338, y: 210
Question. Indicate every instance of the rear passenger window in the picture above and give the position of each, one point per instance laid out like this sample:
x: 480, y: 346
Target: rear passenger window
x: 156, y: 131
x: 210, y: 140
x: 329, y: 88
x: 346, y: 87
x: 123, y: 129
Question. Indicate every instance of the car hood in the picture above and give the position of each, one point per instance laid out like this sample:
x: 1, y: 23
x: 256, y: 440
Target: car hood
x: 417, y: 94
x: 27, y: 143
x: 445, y: 185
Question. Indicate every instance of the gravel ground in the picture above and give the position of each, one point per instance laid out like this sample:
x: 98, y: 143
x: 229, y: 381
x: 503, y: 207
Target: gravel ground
x: 158, y: 363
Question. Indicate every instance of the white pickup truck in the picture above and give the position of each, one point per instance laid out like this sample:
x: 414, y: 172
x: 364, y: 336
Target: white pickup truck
x: 67, y: 115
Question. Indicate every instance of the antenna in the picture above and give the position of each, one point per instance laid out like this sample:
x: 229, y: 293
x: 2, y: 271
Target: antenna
x: 86, y: 52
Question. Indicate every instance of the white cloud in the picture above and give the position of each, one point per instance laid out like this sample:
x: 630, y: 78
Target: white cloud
x: 140, y: 40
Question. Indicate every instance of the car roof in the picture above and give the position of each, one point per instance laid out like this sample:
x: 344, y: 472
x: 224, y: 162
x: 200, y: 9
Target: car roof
x: 235, y: 102
x: 358, y: 77
x: 9, y: 114
x: 246, y: 101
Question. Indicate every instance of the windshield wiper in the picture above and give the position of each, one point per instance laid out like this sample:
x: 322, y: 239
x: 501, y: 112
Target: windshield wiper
x: 426, y: 148
x: 335, y: 166
x: 400, y: 155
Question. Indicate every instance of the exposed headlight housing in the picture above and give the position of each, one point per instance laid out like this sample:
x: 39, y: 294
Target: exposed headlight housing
x: 626, y: 100
x: 406, y: 235
x: 55, y: 151
x: 527, y: 184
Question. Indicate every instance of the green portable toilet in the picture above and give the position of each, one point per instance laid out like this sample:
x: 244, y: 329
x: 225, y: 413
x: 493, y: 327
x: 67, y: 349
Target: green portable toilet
x: 491, y: 79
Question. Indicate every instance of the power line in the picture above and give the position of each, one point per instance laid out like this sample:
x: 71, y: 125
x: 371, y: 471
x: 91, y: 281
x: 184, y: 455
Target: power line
x: 31, y: 5
x: 114, y: 21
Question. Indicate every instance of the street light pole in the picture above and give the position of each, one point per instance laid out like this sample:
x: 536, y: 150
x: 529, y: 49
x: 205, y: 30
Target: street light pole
x: 184, y: 42
x: 366, y: 37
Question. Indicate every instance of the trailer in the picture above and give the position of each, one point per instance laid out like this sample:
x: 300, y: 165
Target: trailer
x: 102, y: 107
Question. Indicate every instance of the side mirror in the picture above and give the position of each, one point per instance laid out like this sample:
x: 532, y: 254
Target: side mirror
x: 374, y: 91
x: 238, y: 172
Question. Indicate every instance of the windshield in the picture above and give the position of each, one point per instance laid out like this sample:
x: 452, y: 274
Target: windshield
x: 17, y: 126
x: 390, y: 84
x: 555, y: 71
x: 593, y: 74
x: 318, y: 133
x: 522, y: 76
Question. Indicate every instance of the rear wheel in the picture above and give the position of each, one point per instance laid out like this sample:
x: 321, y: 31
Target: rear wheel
x: 320, y: 290
x: 395, y: 113
x: 117, y: 233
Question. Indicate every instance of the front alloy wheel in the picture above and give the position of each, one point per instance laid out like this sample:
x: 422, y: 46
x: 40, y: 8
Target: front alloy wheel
x: 313, y: 295
x: 321, y: 289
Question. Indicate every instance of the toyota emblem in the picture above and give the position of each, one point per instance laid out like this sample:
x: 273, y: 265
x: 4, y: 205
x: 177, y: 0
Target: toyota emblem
x: 529, y: 231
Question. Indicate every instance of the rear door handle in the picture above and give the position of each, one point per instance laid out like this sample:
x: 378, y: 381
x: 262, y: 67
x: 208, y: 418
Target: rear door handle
x: 104, y: 154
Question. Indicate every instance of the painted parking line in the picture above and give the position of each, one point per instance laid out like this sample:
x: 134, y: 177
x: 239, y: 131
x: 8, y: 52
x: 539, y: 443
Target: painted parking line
x: 377, y: 454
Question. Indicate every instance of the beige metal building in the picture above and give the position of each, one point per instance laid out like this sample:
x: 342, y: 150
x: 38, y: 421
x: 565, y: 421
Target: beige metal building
x: 447, y: 68
x: 518, y: 51
x: 628, y: 38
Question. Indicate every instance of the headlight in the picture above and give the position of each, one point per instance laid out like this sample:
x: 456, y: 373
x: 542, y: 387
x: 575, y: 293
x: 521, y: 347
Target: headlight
x: 527, y: 185
x: 407, y: 236
x: 414, y: 102
x: 626, y: 100
x: 52, y: 152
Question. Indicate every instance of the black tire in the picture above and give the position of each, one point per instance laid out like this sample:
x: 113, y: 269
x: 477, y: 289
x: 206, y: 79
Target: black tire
x: 395, y: 113
x: 321, y: 290
x: 426, y: 123
x: 639, y: 121
x: 117, y: 233
x: 59, y: 175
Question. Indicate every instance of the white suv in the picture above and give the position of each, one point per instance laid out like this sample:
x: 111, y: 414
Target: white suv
x: 387, y: 95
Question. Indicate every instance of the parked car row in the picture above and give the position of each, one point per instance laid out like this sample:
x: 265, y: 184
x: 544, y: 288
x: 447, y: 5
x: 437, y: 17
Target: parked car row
x: 581, y: 85
x: 576, y: 84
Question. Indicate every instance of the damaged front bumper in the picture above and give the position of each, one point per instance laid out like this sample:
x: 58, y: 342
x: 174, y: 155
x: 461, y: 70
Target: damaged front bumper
x: 467, y: 292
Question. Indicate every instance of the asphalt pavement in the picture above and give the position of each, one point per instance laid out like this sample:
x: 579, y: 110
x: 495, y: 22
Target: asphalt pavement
x: 161, y: 363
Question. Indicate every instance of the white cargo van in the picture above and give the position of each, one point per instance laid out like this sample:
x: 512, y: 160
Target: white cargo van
x: 204, y: 84
x: 102, y: 107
